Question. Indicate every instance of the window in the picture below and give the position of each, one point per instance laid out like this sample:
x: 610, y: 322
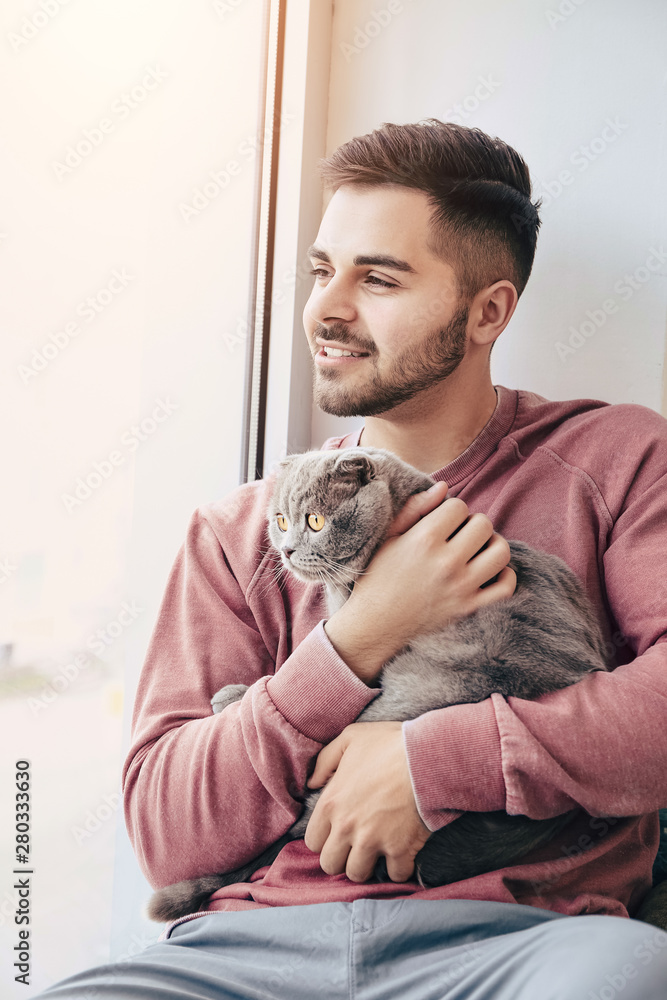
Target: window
x: 136, y: 166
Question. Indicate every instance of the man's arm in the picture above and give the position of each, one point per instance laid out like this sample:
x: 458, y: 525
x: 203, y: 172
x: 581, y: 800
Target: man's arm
x: 425, y: 575
x: 418, y: 583
x: 598, y: 744
x: 203, y: 792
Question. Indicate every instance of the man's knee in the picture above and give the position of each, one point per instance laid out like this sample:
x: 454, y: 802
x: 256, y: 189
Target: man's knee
x: 614, y: 957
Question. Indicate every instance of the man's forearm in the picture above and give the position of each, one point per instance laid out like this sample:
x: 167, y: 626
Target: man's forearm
x: 363, y: 651
x: 307, y: 702
x: 521, y: 756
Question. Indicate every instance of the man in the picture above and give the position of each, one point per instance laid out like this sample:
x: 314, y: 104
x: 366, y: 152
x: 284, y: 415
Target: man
x: 424, y: 248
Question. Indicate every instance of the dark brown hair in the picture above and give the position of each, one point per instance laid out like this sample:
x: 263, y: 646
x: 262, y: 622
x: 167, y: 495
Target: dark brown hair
x: 484, y: 223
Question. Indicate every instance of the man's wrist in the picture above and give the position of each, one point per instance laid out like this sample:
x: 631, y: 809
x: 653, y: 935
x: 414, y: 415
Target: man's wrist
x: 362, y: 651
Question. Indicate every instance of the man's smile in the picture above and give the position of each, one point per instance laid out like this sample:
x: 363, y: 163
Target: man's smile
x: 334, y: 353
x: 335, y: 356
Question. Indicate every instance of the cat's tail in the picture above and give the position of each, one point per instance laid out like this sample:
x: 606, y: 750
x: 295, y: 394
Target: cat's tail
x: 182, y: 898
x: 192, y: 895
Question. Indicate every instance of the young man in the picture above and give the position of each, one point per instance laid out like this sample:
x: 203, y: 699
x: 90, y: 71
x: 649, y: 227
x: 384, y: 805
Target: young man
x: 424, y: 248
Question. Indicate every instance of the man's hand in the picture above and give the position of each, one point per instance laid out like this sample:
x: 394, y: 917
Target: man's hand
x: 438, y: 563
x: 368, y: 807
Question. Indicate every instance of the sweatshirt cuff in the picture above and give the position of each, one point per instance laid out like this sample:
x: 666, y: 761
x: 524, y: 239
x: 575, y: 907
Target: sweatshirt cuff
x: 455, y: 762
x: 316, y: 691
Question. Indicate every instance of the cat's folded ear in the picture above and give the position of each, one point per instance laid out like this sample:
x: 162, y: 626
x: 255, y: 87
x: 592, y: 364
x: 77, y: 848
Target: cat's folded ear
x: 285, y: 463
x: 355, y: 467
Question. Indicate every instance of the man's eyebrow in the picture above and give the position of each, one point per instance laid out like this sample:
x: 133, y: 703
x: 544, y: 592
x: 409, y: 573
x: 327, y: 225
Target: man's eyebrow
x: 368, y: 260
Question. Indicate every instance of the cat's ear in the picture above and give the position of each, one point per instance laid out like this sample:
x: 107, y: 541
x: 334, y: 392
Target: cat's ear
x: 284, y: 463
x: 357, y: 469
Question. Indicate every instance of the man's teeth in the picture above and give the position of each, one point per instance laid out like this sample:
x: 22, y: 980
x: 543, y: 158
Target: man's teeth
x: 334, y: 352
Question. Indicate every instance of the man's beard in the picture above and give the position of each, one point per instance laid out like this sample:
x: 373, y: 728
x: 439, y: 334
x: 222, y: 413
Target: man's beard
x: 417, y: 368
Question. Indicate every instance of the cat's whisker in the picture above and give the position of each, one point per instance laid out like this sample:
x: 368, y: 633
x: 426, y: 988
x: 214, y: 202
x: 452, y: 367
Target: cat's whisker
x: 330, y: 567
x: 323, y: 577
x: 269, y: 553
x: 278, y: 575
x: 337, y: 572
x: 263, y: 549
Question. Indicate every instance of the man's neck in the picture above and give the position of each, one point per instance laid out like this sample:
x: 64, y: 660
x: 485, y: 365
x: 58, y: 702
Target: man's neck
x: 434, y: 428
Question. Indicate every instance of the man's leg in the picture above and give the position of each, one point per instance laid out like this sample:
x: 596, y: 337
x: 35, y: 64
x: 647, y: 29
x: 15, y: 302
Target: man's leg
x: 377, y: 949
x: 475, y: 950
x: 296, y: 952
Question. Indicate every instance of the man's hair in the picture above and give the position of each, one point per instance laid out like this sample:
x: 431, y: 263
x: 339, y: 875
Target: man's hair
x: 483, y: 223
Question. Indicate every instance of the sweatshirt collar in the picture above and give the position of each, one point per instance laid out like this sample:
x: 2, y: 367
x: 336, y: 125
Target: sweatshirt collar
x: 478, y: 450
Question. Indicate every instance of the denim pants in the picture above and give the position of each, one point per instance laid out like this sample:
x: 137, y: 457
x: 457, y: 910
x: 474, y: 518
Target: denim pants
x: 375, y: 949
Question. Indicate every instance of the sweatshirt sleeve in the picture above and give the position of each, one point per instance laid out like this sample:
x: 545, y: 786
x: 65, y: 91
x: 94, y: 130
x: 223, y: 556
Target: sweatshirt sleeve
x: 599, y: 744
x: 205, y: 793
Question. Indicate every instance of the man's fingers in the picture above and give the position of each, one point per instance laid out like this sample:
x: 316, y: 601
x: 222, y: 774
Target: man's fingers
x: 473, y: 535
x: 490, y: 560
x: 416, y: 507
x: 360, y: 864
x: 499, y: 590
x: 328, y: 760
x: 317, y: 831
x: 334, y: 857
x: 450, y: 517
x: 400, y: 869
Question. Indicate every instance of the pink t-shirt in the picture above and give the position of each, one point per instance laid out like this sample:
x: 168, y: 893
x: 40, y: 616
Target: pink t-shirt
x: 206, y: 793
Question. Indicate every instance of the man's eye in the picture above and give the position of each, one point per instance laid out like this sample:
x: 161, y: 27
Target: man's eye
x: 379, y: 283
x: 373, y: 280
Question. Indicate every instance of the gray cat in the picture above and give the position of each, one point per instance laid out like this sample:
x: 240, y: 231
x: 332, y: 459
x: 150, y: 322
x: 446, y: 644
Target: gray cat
x: 329, y: 513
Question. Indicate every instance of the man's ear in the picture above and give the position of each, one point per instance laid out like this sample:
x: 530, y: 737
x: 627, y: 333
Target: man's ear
x: 490, y: 312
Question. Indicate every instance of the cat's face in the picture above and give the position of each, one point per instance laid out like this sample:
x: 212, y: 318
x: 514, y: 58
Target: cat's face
x: 328, y: 514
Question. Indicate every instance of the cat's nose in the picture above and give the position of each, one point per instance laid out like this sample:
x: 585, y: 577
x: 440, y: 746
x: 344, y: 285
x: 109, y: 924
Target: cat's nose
x: 288, y: 552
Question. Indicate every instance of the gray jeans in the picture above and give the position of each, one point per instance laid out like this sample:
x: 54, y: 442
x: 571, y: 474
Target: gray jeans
x: 375, y: 949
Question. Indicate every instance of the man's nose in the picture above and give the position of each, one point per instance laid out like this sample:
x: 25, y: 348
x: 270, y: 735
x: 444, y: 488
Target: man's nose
x: 331, y: 302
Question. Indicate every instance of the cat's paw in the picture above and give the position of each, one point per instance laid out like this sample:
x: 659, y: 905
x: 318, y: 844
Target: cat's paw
x: 226, y: 695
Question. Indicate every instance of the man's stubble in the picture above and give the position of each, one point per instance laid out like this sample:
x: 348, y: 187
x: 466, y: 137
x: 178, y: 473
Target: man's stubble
x: 417, y: 368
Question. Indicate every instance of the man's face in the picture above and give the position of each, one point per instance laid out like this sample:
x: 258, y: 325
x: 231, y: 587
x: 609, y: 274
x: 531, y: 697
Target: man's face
x: 379, y: 291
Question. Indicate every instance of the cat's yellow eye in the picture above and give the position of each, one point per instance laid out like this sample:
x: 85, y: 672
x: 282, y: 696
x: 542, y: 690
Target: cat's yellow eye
x: 316, y: 522
x: 282, y: 522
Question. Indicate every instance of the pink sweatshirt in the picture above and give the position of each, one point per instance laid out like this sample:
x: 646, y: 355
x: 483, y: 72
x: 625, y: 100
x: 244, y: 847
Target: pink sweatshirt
x: 205, y: 793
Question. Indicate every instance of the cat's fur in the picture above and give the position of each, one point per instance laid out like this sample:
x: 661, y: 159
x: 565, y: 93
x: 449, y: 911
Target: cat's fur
x: 542, y: 638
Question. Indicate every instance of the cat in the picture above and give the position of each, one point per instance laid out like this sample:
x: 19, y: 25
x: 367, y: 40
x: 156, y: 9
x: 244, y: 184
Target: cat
x: 330, y: 512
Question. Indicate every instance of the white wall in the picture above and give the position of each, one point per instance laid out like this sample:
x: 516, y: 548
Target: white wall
x: 553, y: 82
